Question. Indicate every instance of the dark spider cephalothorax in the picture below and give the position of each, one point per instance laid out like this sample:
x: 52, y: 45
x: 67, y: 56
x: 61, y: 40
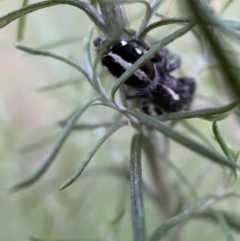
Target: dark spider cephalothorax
x: 153, y: 81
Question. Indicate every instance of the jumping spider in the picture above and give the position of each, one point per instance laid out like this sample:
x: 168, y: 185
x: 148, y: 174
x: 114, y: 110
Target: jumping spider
x: 152, y: 82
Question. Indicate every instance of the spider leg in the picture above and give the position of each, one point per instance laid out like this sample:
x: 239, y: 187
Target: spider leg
x: 164, y: 53
x: 174, y: 64
x: 140, y: 43
x: 188, y: 86
x: 158, y: 110
x: 137, y: 94
x: 97, y: 42
x: 166, y: 99
x: 145, y: 107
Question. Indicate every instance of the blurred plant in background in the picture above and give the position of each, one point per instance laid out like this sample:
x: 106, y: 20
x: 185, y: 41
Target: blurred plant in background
x: 184, y: 187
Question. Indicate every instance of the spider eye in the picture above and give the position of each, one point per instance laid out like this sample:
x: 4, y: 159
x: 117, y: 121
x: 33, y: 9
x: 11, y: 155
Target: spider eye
x: 123, y: 43
x: 138, y: 51
x: 97, y: 42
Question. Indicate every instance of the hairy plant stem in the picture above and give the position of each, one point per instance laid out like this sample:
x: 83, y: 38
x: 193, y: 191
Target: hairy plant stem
x: 116, y: 20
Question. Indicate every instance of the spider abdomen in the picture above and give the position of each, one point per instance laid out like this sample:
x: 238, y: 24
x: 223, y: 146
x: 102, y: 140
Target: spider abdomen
x: 152, y: 82
x: 121, y: 56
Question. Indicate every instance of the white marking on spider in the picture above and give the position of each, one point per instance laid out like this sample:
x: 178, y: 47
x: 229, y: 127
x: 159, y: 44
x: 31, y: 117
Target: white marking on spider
x: 172, y: 93
x: 138, y: 51
x: 123, y: 43
x: 126, y: 65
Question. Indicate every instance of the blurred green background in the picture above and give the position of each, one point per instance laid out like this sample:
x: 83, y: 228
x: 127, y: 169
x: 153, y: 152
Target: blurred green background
x: 28, y: 118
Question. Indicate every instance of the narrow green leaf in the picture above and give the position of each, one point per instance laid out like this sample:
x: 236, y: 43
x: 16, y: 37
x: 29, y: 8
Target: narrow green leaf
x: 202, y: 113
x: 148, y: 16
x: 74, y: 64
x: 222, y: 143
x: 89, y: 66
x: 81, y: 4
x: 203, y: 14
x: 38, y: 144
x: 225, y: 6
x: 179, y: 218
x: 87, y: 51
x: 197, y: 133
x: 59, y: 43
x: 121, y: 205
x: 182, y: 139
x: 236, y: 155
x: 21, y: 24
x: 118, y: 217
x: 138, y: 217
x: 224, y: 146
x: 127, y: 1
x: 164, y: 22
x: 84, y: 126
x: 167, y: 21
x: 182, y: 177
x: 59, y: 84
x: 149, y: 54
x: 90, y: 155
x: 50, y: 156
x: 225, y: 227
x: 52, y: 55
x: 232, y: 218
x: 234, y: 25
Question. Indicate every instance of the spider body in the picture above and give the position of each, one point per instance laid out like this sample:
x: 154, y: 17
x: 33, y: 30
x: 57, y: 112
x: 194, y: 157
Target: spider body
x: 152, y: 82
x: 121, y: 56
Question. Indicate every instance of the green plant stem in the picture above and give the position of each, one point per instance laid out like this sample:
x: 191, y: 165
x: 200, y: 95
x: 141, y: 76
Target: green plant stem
x: 234, y: 25
x: 138, y: 217
x: 21, y: 24
x: 115, y: 19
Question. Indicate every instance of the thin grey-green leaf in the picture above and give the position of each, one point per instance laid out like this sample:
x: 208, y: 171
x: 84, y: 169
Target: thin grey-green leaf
x: 21, y: 24
x: 59, y: 84
x: 39, y: 52
x: 225, y: 228
x: 86, y: 126
x: 222, y: 143
x: 197, y: 133
x: 81, y: 4
x: 202, y: 113
x: 51, y: 155
x: 90, y: 155
x: 182, y: 139
x: 178, y: 219
x: 138, y: 216
x: 202, y: 14
x: 232, y: 218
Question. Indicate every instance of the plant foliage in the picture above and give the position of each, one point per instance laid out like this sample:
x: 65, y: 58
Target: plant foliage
x: 210, y: 29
